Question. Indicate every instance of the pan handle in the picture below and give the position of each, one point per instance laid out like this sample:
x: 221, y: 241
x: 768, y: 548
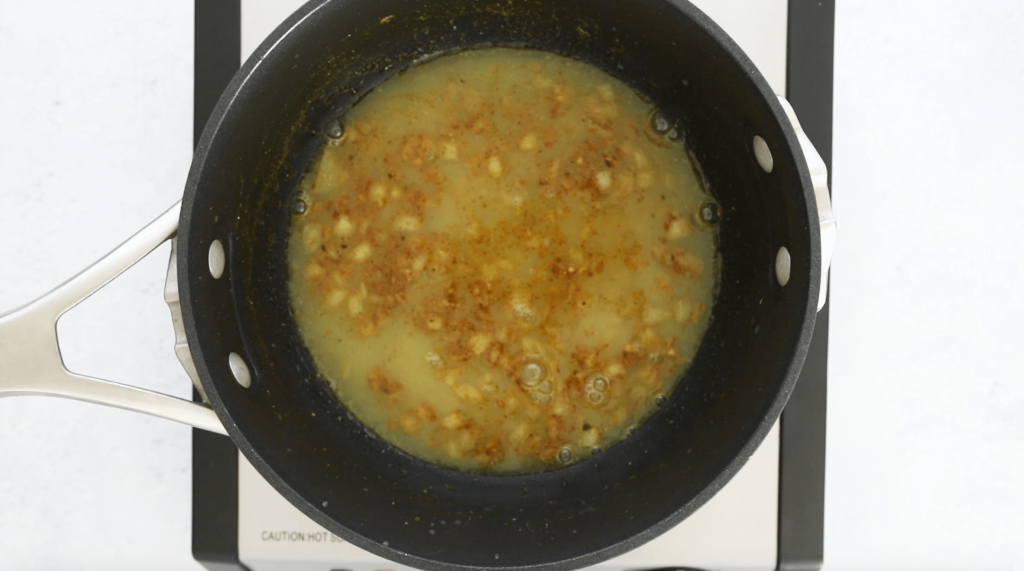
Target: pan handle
x: 30, y: 360
x: 819, y: 178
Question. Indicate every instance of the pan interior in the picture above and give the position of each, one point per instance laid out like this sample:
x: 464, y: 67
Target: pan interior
x: 492, y: 211
x: 265, y: 133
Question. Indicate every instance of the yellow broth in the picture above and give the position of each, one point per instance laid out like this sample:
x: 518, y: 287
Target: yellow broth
x: 500, y: 266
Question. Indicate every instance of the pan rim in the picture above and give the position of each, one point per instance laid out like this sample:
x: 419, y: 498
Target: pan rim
x: 213, y: 127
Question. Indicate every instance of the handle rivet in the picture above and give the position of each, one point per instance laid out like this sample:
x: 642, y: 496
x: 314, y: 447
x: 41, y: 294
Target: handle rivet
x: 240, y: 370
x: 782, y: 266
x: 216, y: 259
x: 763, y: 154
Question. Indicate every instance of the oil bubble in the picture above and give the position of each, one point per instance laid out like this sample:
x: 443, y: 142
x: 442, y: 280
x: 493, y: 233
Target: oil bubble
x: 595, y: 451
x: 596, y: 388
x: 565, y: 455
x: 433, y: 359
x: 298, y: 207
x: 709, y: 213
x: 540, y: 398
x: 659, y: 123
x: 661, y: 400
x: 522, y: 311
x: 597, y: 383
x: 334, y: 129
x: 534, y: 372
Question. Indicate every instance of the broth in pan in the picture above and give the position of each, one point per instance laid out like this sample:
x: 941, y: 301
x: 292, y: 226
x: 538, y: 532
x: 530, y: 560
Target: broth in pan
x: 504, y: 262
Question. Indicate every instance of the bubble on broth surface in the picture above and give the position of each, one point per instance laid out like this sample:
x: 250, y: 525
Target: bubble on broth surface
x: 334, y: 129
x: 659, y: 123
x: 597, y: 383
x: 709, y: 213
x: 565, y: 456
x: 534, y: 372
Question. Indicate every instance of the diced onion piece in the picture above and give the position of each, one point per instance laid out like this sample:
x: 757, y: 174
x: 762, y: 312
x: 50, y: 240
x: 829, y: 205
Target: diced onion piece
x: 479, y: 342
x: 313, y: 271
x: 362, y: 252
x: 679, y: 228
x: 406, y: 223
x: 655, y: 315
x: 645, y: 180
x: 355, y: 305
x: 419, y: 263
x: 449, y: 151
x: 378, y: 192
x: 409, y: 424
x: 494, y: 167
x: 454, y: 420
x: 335, y: 298
x: 614, y: 369
x: 528, y: 142
x: 344, y: 227
x: 467, y: 393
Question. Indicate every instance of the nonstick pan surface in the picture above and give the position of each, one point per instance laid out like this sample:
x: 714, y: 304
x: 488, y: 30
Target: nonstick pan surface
x: 263, y: 135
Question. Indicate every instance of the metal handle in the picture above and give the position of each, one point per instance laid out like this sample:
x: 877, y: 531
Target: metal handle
x: 30, y: 361
x: 819, y: 178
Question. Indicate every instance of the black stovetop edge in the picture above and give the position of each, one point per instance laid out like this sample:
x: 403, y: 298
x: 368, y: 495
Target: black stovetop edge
x: 218, y: 55
x: 809, y: 60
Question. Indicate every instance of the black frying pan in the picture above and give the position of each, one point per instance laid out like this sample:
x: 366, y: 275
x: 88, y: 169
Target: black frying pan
x: 262, y: 136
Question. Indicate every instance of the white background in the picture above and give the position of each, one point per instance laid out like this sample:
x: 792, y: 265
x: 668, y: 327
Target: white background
x: 926, y: 387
